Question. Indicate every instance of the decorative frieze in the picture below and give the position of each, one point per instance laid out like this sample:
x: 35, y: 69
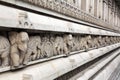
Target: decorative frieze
x: 69, y: 9
x: 20, y: 48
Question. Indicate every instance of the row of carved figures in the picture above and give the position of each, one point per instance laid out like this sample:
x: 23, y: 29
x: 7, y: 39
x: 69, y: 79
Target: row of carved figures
x: 19, y: 48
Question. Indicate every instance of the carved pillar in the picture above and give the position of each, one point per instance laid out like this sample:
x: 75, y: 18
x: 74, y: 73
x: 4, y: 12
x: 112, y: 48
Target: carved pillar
x: 116, y: 16
x: 99, y: 13
x: 79, y: 4
x: 101, y: 8
x: 87, y: 5
x: 103, y: 15
x: 110, y: 10
x: 114, y: 13
x: 95, y: 7
x: 90, y: 6
x: 83, y: 5
x: 105, y: 10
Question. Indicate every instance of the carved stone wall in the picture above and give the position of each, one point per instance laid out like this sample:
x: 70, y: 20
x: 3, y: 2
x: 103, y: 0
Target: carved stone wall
x: 19, y: 48
x: 102, y: 11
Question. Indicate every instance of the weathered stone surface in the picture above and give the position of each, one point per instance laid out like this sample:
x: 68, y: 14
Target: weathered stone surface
x: 20, y: 49
x: 19, y: 42
x: 4, y: 51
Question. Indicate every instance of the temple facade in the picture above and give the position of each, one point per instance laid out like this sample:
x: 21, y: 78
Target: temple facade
x: 59, y: 39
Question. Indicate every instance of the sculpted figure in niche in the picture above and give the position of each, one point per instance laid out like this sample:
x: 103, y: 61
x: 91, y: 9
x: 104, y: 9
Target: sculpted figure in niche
x: 114, y: 40
x: 19, y: 42
x: 60, y: 46
x: 52, y: 41
x: 96, y: 42
x: 86, y: 43
x: 76, y: 43
x: 68, y: 40
x: 33, y: 47
x: 83, y: 43
x: 46, y: 47
x: 111, y: 40
x: 107, y: 40
x: 4, y: 51
x: 100, y: 41
x: 117, y: 39
x: 104, y: 41
x: 90, y: 42
x: 64, y: 45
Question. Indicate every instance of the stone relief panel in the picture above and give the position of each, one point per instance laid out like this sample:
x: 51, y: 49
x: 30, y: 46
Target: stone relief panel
x: 17, y: 49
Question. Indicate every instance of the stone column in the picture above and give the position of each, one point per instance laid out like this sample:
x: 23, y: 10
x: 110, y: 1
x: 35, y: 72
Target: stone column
x: 95, y: 7
x: 101, y: 8
x: 88, y: 6
x: 99, y: 12
x: 83, y: 5
x: 92, y: 4
x: 79, y: 4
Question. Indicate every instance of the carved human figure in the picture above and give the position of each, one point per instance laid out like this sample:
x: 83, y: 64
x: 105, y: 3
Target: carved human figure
x: 19, y: 42
x: 4, y: 51
x: 33, y: 46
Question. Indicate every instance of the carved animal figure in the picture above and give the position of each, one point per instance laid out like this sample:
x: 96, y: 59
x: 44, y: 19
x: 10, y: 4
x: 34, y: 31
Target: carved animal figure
x: 117, y: 39
x: 60, y: 46
x: 100, y: 41
x: 83, y: 44
x: 107, y: 40
x: 34, y: 44
x: 4, y: 51
x: 19, y: 42
x: 111, y: 39
x: 64, y: 45
x: 90, y: 41
x: 52, y: 41
x: 104, y: 41
x: 96, y: 42
x: 46, y: 47
x: 68, y: 40
x: 86, y: 43
x: 76, y: 43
